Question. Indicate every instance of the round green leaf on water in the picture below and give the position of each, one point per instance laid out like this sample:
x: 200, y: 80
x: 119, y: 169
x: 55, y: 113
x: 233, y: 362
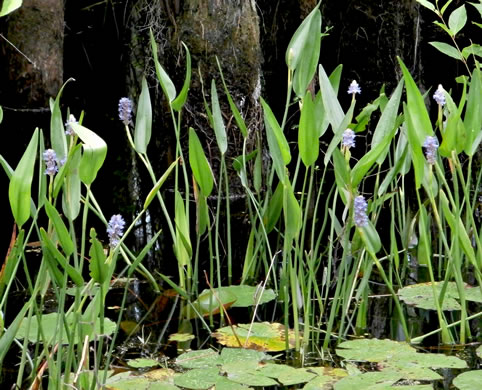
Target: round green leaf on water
x: 325, y: 376
x: 153, y: 380
x: 203, y: 358
x: 142, y: 363
x: 373, y: 350
x: 198, y: 378
x: 245, y: 295
x: 368, y: 381
x: 468, y: 380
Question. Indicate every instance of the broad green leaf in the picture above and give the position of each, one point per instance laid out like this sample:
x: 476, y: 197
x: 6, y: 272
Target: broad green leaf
x: 273, y: 125
x: 65, y: 170
x: 238, y: 162
x: 342, y: 175
x: 61, y: 260
x: 99, y: 270
x: 442, y: 10
x: 474, y: 49
x: 447, y: 49
x: 209, y: 303
x: 72, y: 185
x: 237, y: 116
x: 308, y: 132
x: 333, y: 110
x: 478, y: 7
x: 453, y: 136
x: 303, y: 51
x: 198, y: 378
x: 159, y: 183
x: 473, y: 114
x: 9, y: 6
x: 60, y: 228
x: 415, y: 147
x: 218, y: 123
x: 292, y: 212
x: 468, y: 380
x: 178, y: 103
x: 199, y: 164
x: 335, y: 142
x: 19, y: 190
x: 1, y: 114
x: 427, y: 4
x: 166, y: 83
x: 246, y: 295
x: 388, y: 120
x: 202, y: 358
x: 370, y: 237
x: 94, y: 152
x: 443, y: 27
x: 142, y: 132
x: 182, y: 245
x: 457, y: 20
x: 275, y: 206
x: 142, y: 363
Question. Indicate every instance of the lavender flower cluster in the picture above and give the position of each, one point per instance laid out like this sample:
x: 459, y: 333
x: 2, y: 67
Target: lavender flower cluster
x: 115, y: 229
x: 360, y: 206
x: 431, y: 145
x: 125, y: 110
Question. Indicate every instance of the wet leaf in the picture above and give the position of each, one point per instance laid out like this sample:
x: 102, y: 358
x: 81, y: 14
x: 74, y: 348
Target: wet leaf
x: 159, y: 379
x: 326, y: 377
x: 264, y: 336
x: 372, y: 350
x: 368, y: 381
x: 142, y: 363
x: 287, y: 375
x: 49, y: 323
x: 198, y: 378
x: 208, y: 303
x: 203, y: 358
x: 421, y: 295
x: 468, y: 380
x: 229, y: 355
x: 251, y: 379
x: 181, y: 337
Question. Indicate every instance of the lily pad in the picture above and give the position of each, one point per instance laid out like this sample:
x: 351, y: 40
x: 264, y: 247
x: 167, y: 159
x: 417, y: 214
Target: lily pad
x: 208, y: 303
x: 142, y: 363
x: 246, y: 295
x: 160, y: 379
x: 203, y: 358
x: 421, y: 295
x: 325, y: 377
x: 264, y: 336
x: 198, y: 378
x: 252, y: 379
x: 468, y: 380
x: 48, y: 324
x: 373, y: 350
x: 181, y: 337
x: 229, y: 355
x: 368, y: 381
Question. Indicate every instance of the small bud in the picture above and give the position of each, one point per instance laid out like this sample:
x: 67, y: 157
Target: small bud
x: 439, y: 95
x: 68, y: 125
x: 354, y: 88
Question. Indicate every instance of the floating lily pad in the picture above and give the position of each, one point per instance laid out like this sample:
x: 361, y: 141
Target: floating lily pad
x: 468, y: 380
x: 229, y: 355
x: 264, y: 336
x: 325, y: 377
x: 421, y: 295
x: 48, y: 324
x: 198, y: 378
x: 181, y: 337
x: 160, y: 379
x: 368, y: 381
x: 246, y: 295
x: 252, y: 379
x: 373, y: 350
x: 142, y: 363
x: 208, y: 303
x: 203, y: 358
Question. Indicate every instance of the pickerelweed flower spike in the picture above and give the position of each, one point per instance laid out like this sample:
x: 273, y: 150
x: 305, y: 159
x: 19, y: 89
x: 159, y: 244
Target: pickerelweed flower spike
x: 125, y: 110
x: 115, y: 229
x: 354, y: 88
x: 360, y: 206
x: 68, y: 127
x: 439, y: 95
x: 50, y: 159
x: 348, y: 139
x: 431, y: 145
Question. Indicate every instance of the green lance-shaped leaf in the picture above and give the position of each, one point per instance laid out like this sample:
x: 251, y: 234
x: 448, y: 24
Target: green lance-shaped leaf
x: 274, y: 128
x: 142, y: 133
x: 292, y: 212
x: 99, y: 269
x: 342, y: 175
x: 427, y: 4
x: 20, y: 187
x: 370, y: 237
x: 57, y: 131
x: 218, y: 123
x: 159, y: 183
x: 71, y: 271
x: 454, y: 135
x: 1, y: 114
x: 95, y: 150
x: 447, y: 49
x: 60, y: 228
x: 182, y: 245
x: 416, y: 106
x: 178, y: 103
x: 199, y: 164
x: 415, y: 147
x: 457, y: 20
x: 335, y: 141
x: 334, y: 112
x: 7, y: 338
x: 166, y: 83
x: 237, y: 115
x: 9, y: 6
x: 388, y: 120
x: 308, y: 132
x: 473, y: 114
x: 275, y: 206
x: 72, y: 185
x: 303, y: 51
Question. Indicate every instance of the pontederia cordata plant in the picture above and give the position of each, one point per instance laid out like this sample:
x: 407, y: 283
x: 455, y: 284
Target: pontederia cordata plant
x: 327, y: 231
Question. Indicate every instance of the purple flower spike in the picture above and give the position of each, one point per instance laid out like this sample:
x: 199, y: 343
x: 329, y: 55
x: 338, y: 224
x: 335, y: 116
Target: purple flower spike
x: 439, y: 95
x: 360, y: 206
x: 354, y: 88
x: 125, y: 110
x: 348, y: 139
x: 431, y: 145
x: 68, y: 127
x: 115, y: 229
x: 50, y: 159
